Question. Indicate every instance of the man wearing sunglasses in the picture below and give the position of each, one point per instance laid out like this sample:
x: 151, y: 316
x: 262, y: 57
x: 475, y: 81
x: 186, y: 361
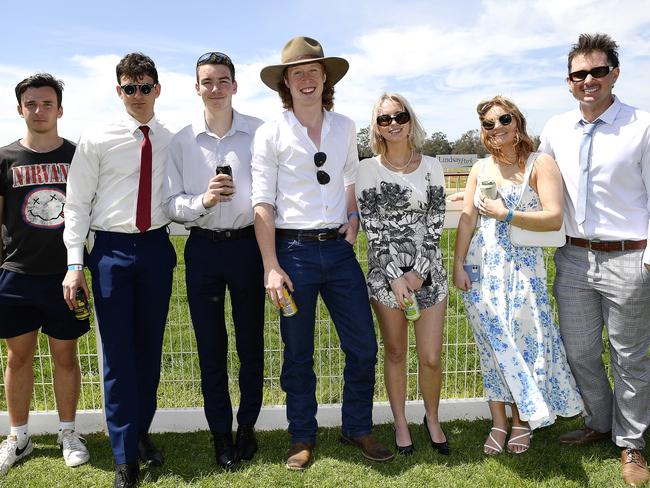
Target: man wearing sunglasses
x: 115, y: 190
x: 603, y: 272
x: 221, y: 252
x: 306, y: 221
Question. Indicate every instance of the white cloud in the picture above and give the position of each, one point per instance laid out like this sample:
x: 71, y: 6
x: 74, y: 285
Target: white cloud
x: 443, y: 56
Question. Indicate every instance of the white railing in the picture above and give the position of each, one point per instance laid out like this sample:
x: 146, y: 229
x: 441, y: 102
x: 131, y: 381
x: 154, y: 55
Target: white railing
x: 179, y: 395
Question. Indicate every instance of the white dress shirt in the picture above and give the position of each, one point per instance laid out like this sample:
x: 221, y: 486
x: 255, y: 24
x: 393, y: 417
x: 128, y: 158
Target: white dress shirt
x: 194, y: 154
x: 618, y: 192
x: 102, y: 190
x: 284, y: 173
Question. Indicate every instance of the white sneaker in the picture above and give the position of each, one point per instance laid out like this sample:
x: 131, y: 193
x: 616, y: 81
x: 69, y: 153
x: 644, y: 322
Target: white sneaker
x: 10, y: 453
x: 73, y: 446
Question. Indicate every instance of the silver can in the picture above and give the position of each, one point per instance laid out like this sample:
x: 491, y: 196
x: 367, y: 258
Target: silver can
x: 488, y: 189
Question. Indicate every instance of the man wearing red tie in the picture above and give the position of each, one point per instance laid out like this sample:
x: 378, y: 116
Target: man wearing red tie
x: 115, y: 190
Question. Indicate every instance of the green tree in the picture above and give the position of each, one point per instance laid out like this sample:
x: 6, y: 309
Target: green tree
x: 436, y: 144
x: 363, y: 143
x: 469, y: 143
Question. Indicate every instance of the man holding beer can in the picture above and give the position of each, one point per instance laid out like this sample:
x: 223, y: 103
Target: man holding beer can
x: 306, y: 220
x: 208, y: 189
x: 33, y: 173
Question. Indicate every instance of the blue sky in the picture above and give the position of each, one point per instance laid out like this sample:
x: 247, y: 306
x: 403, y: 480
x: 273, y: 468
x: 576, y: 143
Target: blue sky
x: 444, y: 56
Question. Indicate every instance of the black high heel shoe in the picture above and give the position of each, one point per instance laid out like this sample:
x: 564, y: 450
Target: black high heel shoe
x: 403, y: 450
x: 441, y: 447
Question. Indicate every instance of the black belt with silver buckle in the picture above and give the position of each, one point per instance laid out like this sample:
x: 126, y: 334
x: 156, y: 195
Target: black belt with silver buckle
x: 224, y: 235
x: 308, y: 235
x: 606, y: 246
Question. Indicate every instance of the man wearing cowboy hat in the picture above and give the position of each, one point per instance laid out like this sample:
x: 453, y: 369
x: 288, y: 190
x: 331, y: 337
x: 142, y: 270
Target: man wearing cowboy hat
x: 306, y: 221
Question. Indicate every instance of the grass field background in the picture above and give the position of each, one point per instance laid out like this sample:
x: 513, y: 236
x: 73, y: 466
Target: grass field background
x: 180, y: 377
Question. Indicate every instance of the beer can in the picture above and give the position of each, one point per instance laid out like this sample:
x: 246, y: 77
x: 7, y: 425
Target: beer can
x: 288, y: 305
x: 81, y: 309
x: 488, y: 189
x: 412, y: 310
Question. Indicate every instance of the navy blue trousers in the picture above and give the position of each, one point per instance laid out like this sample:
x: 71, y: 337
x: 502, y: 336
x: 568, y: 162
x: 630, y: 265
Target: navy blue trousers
x: 132, y: 279
x: 211, y: 266
x: 331, y: 269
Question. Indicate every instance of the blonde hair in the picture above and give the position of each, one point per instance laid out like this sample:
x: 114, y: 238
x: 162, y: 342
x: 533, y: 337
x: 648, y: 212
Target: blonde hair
x: 416, y: 134
x: 523, y: 143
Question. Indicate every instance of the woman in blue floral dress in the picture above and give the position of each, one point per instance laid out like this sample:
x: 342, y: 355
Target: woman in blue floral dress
x: 522, y: 355
x: 401, y: 198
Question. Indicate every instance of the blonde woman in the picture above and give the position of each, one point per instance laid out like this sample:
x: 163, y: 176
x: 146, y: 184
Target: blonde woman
x: 401, y: 198
x: 507, y: 301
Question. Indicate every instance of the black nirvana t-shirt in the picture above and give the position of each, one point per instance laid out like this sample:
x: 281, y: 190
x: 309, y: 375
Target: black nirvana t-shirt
x: 33, y: 187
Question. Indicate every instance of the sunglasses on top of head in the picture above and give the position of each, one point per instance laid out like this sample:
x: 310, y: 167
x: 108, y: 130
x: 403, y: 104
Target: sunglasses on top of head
x: 213, y: 58
x: 400, y: 117
x: 598, y: 72
x: 319, y: 160
x: 131, y: 88
x: 505, y: 119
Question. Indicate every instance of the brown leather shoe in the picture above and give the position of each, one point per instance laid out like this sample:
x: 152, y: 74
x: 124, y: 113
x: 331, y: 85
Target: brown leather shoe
x: 584, y: 436
x: 299, y: 455
x: 370, y: 447
x: 633, y: 467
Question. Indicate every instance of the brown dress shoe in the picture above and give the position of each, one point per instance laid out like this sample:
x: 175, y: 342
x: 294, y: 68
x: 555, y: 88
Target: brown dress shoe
x: 370, y: 447
x: 584, y: 436
x: 299, y: 455
x: 633, y: 467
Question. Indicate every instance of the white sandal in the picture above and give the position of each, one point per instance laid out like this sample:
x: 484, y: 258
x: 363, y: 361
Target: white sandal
x: 496, y: 448
x: 528, y: 433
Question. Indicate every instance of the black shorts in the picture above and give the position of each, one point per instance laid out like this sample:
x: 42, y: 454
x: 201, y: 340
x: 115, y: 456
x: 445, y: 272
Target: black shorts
x: 29, y: 302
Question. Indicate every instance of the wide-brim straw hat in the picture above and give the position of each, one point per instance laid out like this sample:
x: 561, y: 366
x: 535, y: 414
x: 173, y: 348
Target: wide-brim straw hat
x: 303, y: 50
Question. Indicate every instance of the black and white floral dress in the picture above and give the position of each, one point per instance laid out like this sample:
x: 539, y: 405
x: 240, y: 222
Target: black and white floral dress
x: 403, y: 217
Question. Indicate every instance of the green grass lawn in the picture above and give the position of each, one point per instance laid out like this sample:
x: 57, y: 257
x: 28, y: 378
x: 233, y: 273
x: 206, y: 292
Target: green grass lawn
x: 190, y: 462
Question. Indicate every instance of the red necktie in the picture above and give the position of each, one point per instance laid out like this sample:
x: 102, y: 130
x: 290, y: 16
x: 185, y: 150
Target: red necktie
x: 143, y: 211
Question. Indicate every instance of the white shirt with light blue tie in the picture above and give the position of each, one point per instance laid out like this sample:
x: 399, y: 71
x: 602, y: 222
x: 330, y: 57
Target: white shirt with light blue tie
x: 618, y: 194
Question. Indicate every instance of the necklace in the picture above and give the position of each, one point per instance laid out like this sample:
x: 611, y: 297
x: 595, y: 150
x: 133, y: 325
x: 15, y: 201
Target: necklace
x: 398, y: 168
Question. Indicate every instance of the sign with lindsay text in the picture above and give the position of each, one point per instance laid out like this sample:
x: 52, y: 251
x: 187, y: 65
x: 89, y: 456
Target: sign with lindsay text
x: 457, y: 163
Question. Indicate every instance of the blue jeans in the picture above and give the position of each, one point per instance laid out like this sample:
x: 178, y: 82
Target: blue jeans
x: 331, y: 269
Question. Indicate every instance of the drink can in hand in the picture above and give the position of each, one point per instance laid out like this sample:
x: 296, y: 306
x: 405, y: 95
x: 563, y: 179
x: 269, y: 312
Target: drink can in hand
x: 288, y: 305
x: 488, y: 189
x: 412, y: 310
x: 81, y: 309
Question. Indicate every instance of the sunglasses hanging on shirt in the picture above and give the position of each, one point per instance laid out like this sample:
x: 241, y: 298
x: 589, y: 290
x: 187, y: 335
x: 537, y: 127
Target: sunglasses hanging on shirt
x: 319, y: 160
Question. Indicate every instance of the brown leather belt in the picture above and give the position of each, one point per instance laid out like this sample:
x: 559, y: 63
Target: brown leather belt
x: 308, y: 235
x: 224, y: 235
x: 607, y: 246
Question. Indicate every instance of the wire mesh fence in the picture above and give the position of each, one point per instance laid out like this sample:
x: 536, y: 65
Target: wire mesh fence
x: 180, y: 384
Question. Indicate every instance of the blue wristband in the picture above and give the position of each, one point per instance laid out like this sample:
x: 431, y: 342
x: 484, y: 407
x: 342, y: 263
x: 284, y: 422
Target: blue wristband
x: 508, y: 218
x: 353, y: 214
x: 75, y: 267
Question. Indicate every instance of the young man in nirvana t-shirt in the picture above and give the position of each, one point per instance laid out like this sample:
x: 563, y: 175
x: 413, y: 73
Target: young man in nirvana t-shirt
x: 33, y: 173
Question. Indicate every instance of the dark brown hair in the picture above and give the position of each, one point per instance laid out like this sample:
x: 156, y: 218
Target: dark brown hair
x: 588, y: 43
x: 523, y: 143
x: 37, y: 81
x: 136, y: 66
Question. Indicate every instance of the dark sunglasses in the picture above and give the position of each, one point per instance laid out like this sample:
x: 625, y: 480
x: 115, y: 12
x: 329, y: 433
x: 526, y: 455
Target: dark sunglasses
x: 597, y: 72
x: 505, y: 119
x: 130, y: 89
x: 400, y: 117
x: 213, y: 58
x: 319, y: 160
